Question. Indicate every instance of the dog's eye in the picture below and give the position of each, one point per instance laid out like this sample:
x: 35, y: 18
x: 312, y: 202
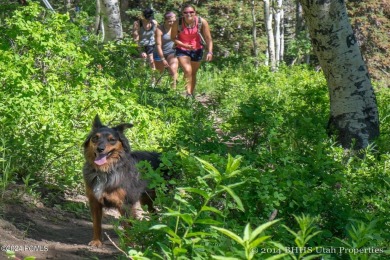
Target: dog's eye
x: 112, y: 140
x: 95, y: 139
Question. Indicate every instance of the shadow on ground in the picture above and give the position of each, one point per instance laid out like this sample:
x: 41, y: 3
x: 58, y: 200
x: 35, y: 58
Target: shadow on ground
x: 50, y: 233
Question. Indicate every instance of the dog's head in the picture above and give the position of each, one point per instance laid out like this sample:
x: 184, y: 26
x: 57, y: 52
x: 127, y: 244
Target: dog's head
x: 104, y: 146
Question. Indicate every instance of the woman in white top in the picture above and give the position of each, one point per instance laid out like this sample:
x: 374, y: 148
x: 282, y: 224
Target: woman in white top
x: 164, y: 53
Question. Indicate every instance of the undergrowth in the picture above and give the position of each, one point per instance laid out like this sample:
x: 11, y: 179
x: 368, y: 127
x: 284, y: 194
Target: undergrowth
x: 271, y: 184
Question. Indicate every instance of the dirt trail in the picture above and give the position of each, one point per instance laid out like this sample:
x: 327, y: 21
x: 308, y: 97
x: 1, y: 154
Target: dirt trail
x: 50, y: 233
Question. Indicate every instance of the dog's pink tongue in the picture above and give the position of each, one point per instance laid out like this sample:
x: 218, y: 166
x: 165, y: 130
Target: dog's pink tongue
x: 101, y: 159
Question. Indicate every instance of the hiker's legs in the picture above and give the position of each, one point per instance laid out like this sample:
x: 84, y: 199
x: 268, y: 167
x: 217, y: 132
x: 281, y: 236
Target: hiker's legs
x: 195, y: 67
x: 185, y: 64
x: 173, y: 65
x: 150, y: 60
x: 159, y: 66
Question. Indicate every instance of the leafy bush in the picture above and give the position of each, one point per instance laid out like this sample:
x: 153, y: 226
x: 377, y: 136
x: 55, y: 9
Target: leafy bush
x: 55, y: 77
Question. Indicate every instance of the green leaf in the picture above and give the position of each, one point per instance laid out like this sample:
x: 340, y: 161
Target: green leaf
x: 247, y: 232
x: 179, y: 251
x: 166, y: 229
x: 158, y: 227
x: 258, y: 241
x: 281, y: 247
x: 235, y: 184
x: 344, y: 242
x: 230, y: 234
x: 208, y: 221
x: 187, y: 218
x: 238, y: 201
x: 261, y: 228
x: 276, y: 257
x: 212, y: 209
x: 234, y: 173
x: 197, y: 191
x: 224, y: 257
x: 311, y: 236
x: 232, y: 165
x: 197, y: 234
x: 291, y: 231
x: 180, y: 199
x: 210, y: 168
x: 166, y: 250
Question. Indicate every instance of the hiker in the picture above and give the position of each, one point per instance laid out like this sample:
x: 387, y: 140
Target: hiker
x: 190, y: 34
x: 143, y: 34
x: 164, y: 53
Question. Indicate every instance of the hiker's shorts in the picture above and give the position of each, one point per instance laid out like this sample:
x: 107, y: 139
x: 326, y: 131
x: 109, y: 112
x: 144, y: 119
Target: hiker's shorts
x: 149, y: 49
x: 195, y: 55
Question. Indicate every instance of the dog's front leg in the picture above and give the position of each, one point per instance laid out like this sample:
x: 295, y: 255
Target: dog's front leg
x: 96, y: 212
x: 137, y: 212
x: 133, y: 211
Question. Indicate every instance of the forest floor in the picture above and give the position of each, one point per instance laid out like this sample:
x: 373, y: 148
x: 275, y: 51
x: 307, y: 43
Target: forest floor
x: 29, y: 228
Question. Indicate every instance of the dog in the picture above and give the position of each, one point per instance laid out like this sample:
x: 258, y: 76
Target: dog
x: 111, y: 177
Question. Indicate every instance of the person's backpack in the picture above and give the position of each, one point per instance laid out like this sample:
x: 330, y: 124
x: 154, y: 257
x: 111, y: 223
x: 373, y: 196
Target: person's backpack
x: 202, y: 41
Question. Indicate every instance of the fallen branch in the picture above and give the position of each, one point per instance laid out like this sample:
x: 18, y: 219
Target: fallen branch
x: 109, y: 238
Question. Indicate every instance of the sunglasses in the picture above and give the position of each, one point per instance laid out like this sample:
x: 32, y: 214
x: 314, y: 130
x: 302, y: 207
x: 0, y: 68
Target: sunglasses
x: 190, y: 12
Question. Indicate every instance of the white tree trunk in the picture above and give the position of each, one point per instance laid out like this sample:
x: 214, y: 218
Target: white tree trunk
x: 282, y: 34
x: 353, y: 110
x: 254, y: 32
x: 270, y: 34
x: 110, y: 19
x: 278, y: 24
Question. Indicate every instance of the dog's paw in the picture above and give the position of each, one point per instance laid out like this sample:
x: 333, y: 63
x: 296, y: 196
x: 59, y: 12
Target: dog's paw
x: 95, y: 243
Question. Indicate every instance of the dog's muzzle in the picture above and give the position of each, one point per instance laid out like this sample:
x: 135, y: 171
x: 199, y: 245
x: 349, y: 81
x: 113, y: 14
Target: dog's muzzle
x: 101, y: 158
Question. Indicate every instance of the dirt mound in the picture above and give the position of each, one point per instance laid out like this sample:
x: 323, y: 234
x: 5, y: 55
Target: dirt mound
x: 50, y: 233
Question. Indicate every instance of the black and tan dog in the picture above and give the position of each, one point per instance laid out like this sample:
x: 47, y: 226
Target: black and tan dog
x: 111, y: 176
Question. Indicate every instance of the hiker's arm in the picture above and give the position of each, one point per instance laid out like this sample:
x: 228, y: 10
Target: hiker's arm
x: 174, y: 30
x: 207, y: 37
x: 158, y: 35
x: 174, y: 36
x: 137, y: 39
x: 187, y: 46
x: 135, y: 31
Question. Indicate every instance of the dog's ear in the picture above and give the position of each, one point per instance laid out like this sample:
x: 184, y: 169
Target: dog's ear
x: 125, y: 142
x: 122, y: 127
x: 97, y: 123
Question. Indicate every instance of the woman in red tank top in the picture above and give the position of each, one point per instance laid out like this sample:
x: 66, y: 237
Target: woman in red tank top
x: 189, y: 49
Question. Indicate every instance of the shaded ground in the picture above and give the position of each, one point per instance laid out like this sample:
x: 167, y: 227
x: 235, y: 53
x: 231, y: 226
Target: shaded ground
x: 50, y: 233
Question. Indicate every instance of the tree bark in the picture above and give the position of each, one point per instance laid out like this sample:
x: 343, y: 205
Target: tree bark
x: 270, y: 34
x: 110, y: 19
x: 254, y: 33
x: 278, y: 32
x: 353, y: 110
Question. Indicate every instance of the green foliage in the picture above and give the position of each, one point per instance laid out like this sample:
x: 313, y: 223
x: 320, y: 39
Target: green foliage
x: 302, y: 240
x: 299, y: 48
x: 250, y: 241
x: 193, y: 211
x: 12, y: 255
x: 5, y: 170
x: 361, y: 235
x: 56, y: 76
